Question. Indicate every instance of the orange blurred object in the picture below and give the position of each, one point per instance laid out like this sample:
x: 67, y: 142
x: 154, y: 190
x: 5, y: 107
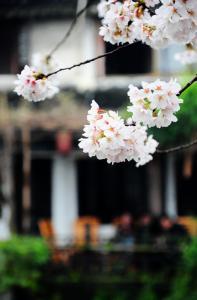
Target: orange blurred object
x: 59, y: 255
x: 86, y: 231
x: 63, y: 142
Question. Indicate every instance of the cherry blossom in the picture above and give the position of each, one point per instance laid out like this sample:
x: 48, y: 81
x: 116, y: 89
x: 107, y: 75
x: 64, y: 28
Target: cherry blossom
x: 151, y: 3
x: 103, y: 7
x: 116, y: 22
x: 151, y: 31
x: 189, y: 56
x: 156, y: 23
x: 155, y: 104
x: 44, y: 63
x: 194, y: 42
x: 182, y: 32
x: 34, y: 86
x: 107, y: 137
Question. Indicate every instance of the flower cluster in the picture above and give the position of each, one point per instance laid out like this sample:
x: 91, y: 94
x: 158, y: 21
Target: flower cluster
x: 107, y: 137
x: 155, y: 103
x: 34, y: 86
x: 156, y: 23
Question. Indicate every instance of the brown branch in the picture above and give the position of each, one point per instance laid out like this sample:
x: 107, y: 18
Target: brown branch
x: 177, y: 148
x: 160, y: 151
x: 187, y: 85
x: 190, y: 144
x: 70, y: 29
x: 87, y: 61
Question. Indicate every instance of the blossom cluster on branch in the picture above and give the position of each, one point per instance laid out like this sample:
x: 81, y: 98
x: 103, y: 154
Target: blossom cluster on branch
x: 34, y: 86
x: 32, y: 83
x: 44, y: 63
x: 107, y: 137
x: 157, y: 23
x: 155, y: 104
x: 154, y: 22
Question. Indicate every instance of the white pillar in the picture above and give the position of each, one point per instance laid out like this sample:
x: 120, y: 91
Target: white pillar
x: 64, y: 197
x: 170, y: 188
x: 5, y: 232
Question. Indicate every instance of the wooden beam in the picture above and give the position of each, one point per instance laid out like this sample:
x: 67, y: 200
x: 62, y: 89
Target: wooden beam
x: 26, y: 191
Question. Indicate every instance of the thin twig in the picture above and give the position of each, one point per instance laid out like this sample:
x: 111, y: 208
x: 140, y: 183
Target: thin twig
x: 187, y: 85
x: 190, y: 144
x: 70, y: 29
x: 160, y: 151
x: 87, y: 61
x: 177, y: 148
x: 73, y: 23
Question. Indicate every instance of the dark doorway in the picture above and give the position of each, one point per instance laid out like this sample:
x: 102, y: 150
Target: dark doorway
x: 186, y: 188
x: 18, y: 183
x: 9, y: 36
x: 135, y: 59
x: 40, y: 191
x: 107, y: 191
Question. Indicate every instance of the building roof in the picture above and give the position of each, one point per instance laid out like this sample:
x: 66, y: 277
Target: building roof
x: 27, y: 9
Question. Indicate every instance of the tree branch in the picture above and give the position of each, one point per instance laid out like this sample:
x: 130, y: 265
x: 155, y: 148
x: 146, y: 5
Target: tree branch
x: 177, y: 148
x: 160, y: 151
x: 87, y: 61
x: 70, y: 29
x: 187, y: 85
x: 190, y: 144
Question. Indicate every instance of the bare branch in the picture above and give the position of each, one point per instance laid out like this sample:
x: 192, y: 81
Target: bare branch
x: 87, y: 61
x: 193, y: 142
x: 177, y: 148
x: 70, y: 29
x: 187, y: 85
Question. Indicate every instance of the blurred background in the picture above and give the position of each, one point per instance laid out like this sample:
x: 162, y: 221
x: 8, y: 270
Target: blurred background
x: 74, y: 217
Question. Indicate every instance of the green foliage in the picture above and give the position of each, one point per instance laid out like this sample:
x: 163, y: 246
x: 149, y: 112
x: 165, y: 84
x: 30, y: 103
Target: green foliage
x: 21, y: 260
x: 111, y: 294
x: 180, y: 286
x: 184, y: 284
x: 148, y: 293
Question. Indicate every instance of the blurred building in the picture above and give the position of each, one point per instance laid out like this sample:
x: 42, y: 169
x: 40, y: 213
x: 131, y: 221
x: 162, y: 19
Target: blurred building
x: 43, y: 173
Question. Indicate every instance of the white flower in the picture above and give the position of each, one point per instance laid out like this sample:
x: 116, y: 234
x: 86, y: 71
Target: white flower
x: 172, y: 10
x: 148, y: 148
x: 155, y: 103
x: 191, y: 7
x: 189, y: 56
x: 34, y: 86
x: 117, y: 21
x: 107, y: 137
x: 194, y: 42
x: 179, y: 27
x: 152, y: 3
x: 182, y: 32
x: 43, y: 63
x: 173, y: 21
x: 103, y: 7
x: 151, y: 31
x: 134, y: 93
